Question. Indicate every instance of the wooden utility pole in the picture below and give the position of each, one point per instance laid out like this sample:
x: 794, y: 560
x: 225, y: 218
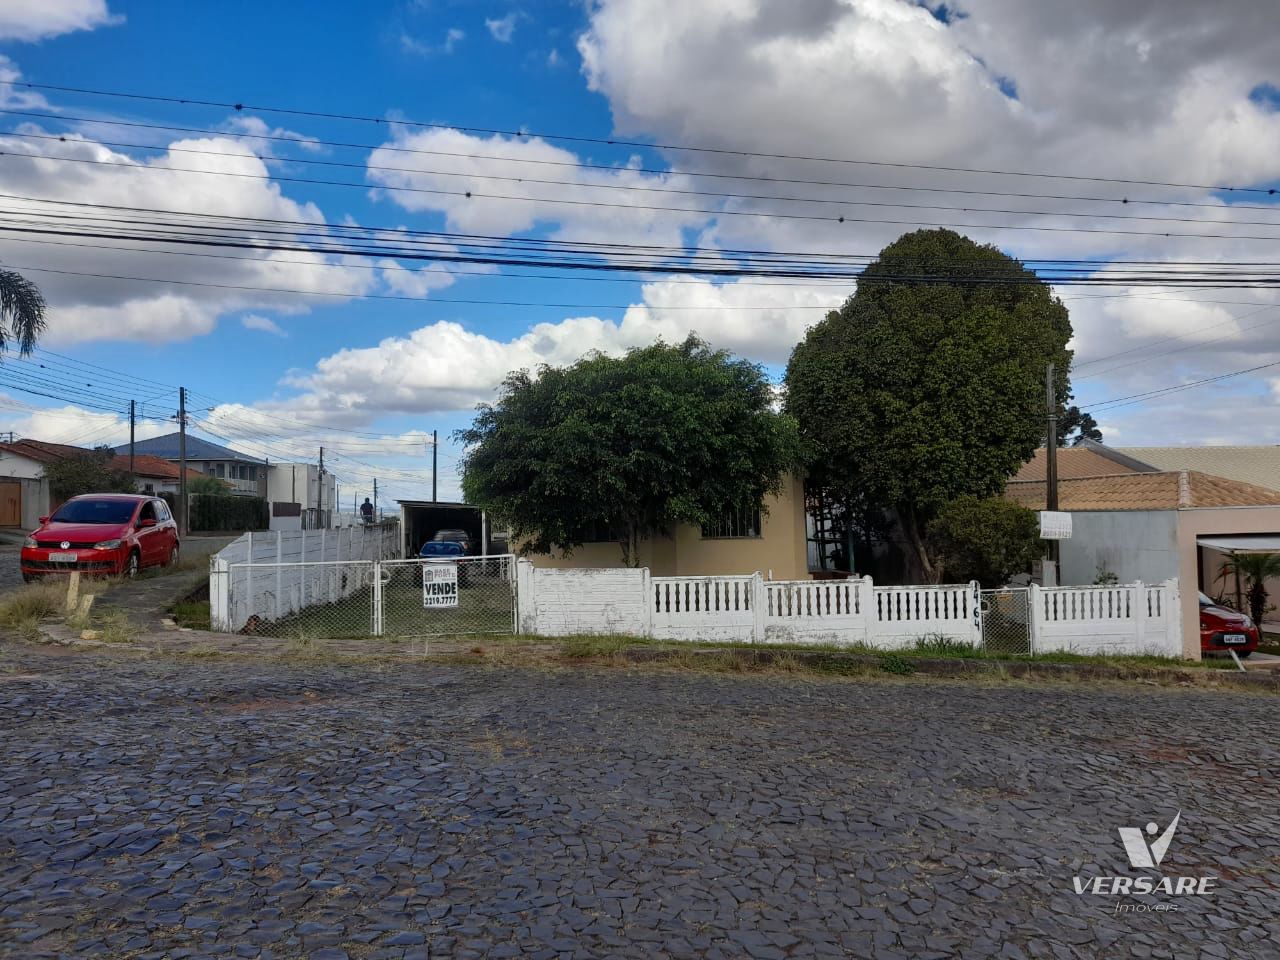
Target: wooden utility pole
x: 133, y: 419
x: 1051, y: 462
x: 434, y: 461
x: 185, y: 519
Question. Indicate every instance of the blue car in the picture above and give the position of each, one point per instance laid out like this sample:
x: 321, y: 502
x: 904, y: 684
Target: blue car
x: 441, y: 551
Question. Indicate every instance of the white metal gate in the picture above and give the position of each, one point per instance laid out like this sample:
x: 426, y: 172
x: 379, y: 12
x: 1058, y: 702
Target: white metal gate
x: 437, y: 597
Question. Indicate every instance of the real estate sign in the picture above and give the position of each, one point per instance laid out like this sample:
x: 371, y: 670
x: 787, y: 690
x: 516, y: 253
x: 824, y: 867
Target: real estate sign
x: 439, y: 585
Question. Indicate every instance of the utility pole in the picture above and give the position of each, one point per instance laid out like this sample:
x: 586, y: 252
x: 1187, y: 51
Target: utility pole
x: 133, y: 419
x: 1051, y: 463
x: 434, y: 460
x: 375, y: 498
x: 185, y: 518
x: 320, y: 492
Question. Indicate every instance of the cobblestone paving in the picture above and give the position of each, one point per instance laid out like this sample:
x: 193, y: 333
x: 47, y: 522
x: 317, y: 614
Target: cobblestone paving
x: 167, y: 808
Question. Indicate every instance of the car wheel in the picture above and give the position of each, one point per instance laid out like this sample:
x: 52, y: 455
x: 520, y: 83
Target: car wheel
x: 30, y: 577
x: 1244, y: 654
x: 173, y: 557
x: 132, y: 565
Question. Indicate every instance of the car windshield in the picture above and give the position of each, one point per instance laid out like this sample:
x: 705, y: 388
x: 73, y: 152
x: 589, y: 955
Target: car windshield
x: 94, y: 511
x: 1205, y: 601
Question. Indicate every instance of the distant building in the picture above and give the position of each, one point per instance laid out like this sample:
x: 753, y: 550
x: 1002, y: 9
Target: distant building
x: 246, y: 475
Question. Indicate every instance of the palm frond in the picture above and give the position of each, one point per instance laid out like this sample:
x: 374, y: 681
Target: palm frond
x: 22, y: 310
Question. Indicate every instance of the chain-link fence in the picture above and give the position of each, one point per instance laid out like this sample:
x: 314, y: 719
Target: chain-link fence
x: 361, y: 598
x: 455, y: 597
x: 302, y: 601
x: 1006, y: 621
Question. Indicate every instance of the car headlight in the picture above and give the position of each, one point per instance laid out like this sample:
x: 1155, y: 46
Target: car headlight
x: 107, y: 544
x: 30, y: 542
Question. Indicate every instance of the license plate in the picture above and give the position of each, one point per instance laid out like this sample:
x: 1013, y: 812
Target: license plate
x: 1234, y: 638
x: 63, y: 558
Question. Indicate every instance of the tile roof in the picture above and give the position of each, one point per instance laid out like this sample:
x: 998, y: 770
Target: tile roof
x: 40, y: 451
x: 1258, y: 465
x: 1167, y: 490
x: 152, y: 468
x: 1072, y: 462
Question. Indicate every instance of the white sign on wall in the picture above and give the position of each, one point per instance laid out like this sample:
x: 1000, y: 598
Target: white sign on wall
x: 1055, y: 525
x: 439, y: 585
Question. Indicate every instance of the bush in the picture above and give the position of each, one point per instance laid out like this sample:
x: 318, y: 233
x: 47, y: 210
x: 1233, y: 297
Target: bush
x: 226, y: 513
x: 988, y: 540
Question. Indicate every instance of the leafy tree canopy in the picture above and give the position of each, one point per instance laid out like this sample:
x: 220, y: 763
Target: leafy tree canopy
x: 667, y: 434
x: 210, y: 486
x: 987, y: 540
x: 1076, y: 425
x: 928, y: 384
x: 89, y: 472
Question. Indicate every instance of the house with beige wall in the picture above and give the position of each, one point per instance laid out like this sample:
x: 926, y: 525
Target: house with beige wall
x: 773, y: 544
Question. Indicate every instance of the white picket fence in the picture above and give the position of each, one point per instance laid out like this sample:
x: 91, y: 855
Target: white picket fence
x: 273, y: 574
x: 1136, y: 618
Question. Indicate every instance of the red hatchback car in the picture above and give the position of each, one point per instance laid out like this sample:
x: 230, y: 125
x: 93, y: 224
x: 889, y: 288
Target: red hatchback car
x: 108, y: 534
x: 1223, y: 629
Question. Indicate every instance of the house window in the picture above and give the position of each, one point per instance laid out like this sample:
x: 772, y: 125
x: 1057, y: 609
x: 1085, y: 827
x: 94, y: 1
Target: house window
x: 738, y: 524
x: 218, y: 470
x: 602, y: 533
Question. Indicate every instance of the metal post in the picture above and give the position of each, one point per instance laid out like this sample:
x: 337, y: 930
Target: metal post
x: 320, y: 493
x: 375, y: 499
x: 435, y: 446
x: 133, y: 418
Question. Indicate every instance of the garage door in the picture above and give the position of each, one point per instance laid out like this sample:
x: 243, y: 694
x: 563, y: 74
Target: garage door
x: 10, y: 504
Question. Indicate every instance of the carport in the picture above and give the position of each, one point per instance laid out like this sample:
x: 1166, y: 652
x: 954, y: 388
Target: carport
x: 1231, y: 546
x: 420, y: 519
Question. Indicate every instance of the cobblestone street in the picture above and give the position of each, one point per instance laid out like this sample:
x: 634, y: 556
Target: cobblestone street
x: 173, y: 808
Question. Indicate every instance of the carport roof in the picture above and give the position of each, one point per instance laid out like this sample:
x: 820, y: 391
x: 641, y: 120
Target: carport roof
x: 1169, y: 490
x: 1243, y: 543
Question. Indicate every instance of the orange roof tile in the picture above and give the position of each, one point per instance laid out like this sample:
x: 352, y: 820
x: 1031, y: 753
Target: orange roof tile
x: 1169, y: 490
x: 1073, y: 462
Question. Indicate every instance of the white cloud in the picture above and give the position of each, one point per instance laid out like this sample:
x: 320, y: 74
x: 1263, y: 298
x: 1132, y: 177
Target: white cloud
x: 446, y: 367
x: 254, y: 321
x: 553, y: 58
x: 460, y: 163
x: 453, y: 36
x: 28, y: 20
x: 101, y: 306
x: 74, y: 425
x: 503, y: 28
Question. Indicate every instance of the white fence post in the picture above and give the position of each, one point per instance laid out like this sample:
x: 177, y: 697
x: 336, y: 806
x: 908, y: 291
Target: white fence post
x: 1033, y: 616
x: 526, y: 607
x: 759, y: 600
x: 975, y: 616
x: 220, y: 594
x: 1173, y: 615
x: 1139, y: 615
x: 646, y: 585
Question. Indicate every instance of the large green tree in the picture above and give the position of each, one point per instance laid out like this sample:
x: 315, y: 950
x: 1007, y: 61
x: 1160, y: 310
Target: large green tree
x: 929, y: 383
x: 989, y: 540
x: 635, y: 445
x: 22, y: 311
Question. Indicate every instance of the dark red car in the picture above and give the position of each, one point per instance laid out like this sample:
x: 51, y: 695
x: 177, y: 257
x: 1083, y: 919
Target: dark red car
x: 1223, y: 629
x: 107, y: 534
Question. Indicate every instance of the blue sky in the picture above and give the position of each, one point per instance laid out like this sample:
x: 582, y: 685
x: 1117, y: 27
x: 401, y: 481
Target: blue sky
x: 280, y: 375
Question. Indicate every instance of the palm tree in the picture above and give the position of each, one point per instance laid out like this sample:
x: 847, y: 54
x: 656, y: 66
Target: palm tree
x: 21, y: 311
x: 1254, y: 569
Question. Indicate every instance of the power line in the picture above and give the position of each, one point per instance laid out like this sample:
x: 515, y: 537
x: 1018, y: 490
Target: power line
x: 1139, y: 397
x: 585, y: 165
x: 522, y: 135
x: 703, y: 211
x: 674, y: 191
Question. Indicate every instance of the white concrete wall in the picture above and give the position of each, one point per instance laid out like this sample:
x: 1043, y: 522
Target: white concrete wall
x: 1135, y: 545
x: 566, y: 602
x: 12, y: 465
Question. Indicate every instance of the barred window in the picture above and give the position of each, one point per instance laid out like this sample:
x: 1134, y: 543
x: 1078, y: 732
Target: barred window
x: 602, y: 533
x: 739, y: 524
